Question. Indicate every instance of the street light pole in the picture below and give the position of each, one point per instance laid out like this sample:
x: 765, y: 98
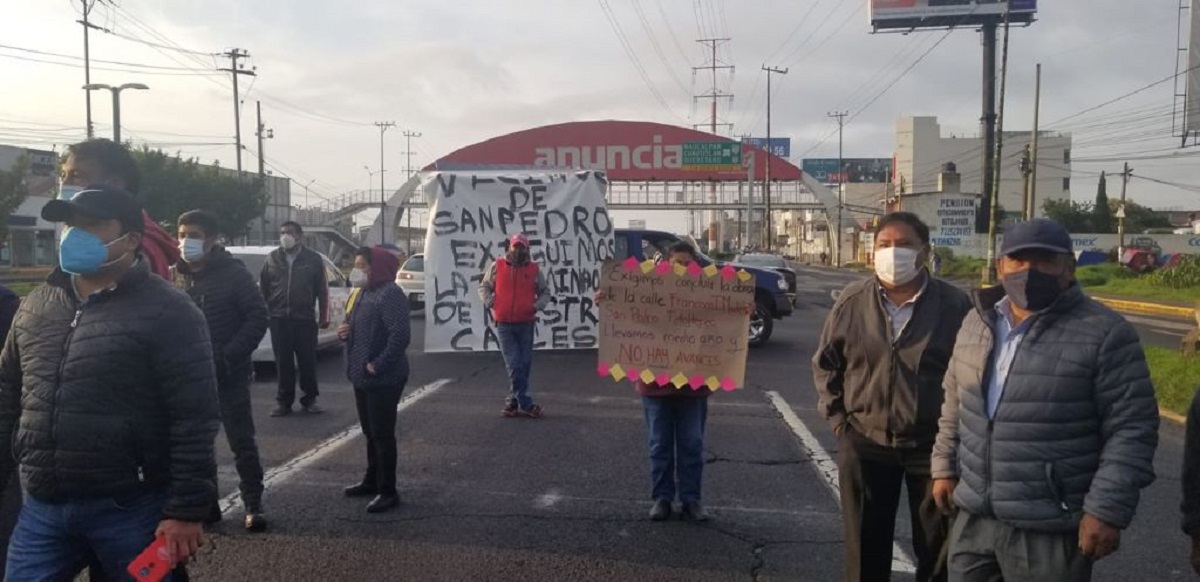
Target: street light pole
x: 116, y: 100
x: 310, y: 183
x: 383, y: 224
x: 767, y: 178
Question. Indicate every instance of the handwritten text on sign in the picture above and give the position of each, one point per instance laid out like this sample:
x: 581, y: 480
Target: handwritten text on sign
x: 675, y: 325
x: 472, y: 215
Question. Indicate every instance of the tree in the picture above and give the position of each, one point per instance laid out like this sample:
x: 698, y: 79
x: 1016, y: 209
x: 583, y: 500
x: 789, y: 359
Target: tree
x: 13, y: 191
x: 1075, y: 216
x: 172, y: 185
x: 1102, y: 211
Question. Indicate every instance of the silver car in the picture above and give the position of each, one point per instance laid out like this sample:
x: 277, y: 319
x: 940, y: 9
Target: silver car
x: 411, y: 278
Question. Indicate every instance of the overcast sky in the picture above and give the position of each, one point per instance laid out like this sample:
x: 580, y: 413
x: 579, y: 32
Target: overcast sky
x: 460, y: 71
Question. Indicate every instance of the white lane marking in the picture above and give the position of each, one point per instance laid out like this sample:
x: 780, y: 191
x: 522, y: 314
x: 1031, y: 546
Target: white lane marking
x: 279, y: 474
x: 827, y: 469
x: 548, y: 499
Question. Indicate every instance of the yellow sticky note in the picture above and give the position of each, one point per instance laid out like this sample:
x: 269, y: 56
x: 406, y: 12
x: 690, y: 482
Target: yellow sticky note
x: 744, y: 276
x: 617, y: 372
x: 647, y: 266
x: 679, y: 380
x: 710, y: 270
x: 680, y: 270
x: 713, y: 383
x: 647, y: 376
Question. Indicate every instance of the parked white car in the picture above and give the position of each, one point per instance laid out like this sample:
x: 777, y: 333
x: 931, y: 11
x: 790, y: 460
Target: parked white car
x: 411, y: 279
x: 339, y: 291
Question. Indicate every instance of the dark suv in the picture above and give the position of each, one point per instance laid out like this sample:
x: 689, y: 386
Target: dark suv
x: 771, y: 293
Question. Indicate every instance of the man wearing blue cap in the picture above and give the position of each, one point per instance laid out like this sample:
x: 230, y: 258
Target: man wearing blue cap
x: 1049, y: 426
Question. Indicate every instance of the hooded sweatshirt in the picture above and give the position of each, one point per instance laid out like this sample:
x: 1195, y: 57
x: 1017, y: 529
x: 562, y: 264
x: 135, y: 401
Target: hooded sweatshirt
x: 379, y: 328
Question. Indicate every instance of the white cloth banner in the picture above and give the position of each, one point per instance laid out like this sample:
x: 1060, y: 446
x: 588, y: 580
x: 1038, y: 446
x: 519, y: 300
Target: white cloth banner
x: 472, y: 215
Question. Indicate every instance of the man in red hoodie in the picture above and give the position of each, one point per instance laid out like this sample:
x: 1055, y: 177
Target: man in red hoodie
x: 102, y: 161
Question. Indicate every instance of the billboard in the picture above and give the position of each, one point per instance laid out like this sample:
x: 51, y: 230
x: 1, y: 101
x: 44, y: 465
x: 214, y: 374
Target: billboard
x: 780, y: 146
x: 855, y: 170
x: 908, y: 14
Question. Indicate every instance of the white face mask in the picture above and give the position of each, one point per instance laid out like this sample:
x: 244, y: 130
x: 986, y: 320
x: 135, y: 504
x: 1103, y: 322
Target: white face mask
x: 358, y: 278
x: 192, y: 249
x: 288, y: 241
x: 896, y: 265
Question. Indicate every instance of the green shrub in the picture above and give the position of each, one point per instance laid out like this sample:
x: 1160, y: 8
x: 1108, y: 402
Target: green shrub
x: 1182, y: 276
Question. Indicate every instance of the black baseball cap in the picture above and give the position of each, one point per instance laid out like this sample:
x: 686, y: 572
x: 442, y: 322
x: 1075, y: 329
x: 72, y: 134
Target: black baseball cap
x: 99, y: 201
x: 1037, y: 234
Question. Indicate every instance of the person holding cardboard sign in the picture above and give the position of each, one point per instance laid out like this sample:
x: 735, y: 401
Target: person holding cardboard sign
x: 515, y: 289
x: 878, y: 371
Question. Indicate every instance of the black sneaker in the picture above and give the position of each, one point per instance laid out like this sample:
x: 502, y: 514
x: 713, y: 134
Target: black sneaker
x: 312, y: 408
x: 382, y: 503
x: 693, y: 511
x: 255, y: 522
x: 281, y: 410
x: 661, y: 510
x: 360, y: 490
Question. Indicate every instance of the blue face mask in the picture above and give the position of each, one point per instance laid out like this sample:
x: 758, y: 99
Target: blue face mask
x: 83, y: 253
x: 68, y: 191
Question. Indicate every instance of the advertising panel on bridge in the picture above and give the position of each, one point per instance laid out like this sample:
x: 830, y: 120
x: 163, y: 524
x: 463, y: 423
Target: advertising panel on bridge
x: 909, y: 14
x: 472, y: 216
x: 856, y: 170
x: 628, y: 151
x: 780, y: 146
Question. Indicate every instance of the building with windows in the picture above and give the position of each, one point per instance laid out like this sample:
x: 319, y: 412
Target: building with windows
x: 30, y: 241
x: 922, y: 149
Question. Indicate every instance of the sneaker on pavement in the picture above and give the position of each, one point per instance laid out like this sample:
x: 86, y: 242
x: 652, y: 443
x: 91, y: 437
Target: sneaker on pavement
x: 255, y: 520
x: 534, y: 411
x: 693, y: 511
x: 281, y: 411
x: 510, y: 410
x: 313, y: 408
x: 360, y: 490
x: 661, y: 510
x: 382, y: 503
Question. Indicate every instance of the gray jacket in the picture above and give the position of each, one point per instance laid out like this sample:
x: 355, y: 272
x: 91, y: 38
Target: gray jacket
x: 889, y: 391
x: 1076, y: 427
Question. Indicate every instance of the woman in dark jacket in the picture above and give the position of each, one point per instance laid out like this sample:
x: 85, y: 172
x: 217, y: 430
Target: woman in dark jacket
x: 376, y: 334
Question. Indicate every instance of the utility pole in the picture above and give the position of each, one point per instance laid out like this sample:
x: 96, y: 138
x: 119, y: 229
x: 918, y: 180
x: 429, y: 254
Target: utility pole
x: 988, y: 120
x: 767, y: 186
x: 1031, y: 202
x: 715, y: 94
x: 236, y: 70
x: 837, y: 247
x: 989, y: 275
x: 87, y: 61
x: 262, y: 133
x: 1125, y: 175
x: 383, y: 224
x: 1026, y: 168
x: 408, y: 154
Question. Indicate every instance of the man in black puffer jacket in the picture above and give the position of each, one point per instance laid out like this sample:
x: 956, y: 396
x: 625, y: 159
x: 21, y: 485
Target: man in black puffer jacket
x: 107, y: 385
x: 237, y: 320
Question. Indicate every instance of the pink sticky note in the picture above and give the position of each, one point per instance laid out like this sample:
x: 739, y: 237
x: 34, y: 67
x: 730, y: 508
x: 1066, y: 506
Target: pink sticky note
x: 603, y: 369
x: 693, y: 269
x: 663, y: 379
x: 633, y: 374
x: 630, y: 264
x: 662, y: 268
x: 728, y: 384
x: 728, y: 272
x: 697, y: 382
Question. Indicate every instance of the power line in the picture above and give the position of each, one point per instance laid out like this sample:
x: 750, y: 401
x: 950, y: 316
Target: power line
x: 75, y: 58
x: 112, y: 69
x: 1125, y: 96
x: 629, y: 52
x: 658, y: 51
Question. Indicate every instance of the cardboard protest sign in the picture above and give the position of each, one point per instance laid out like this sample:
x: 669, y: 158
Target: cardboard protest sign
x: 472, y: 216
x: 674, y: 325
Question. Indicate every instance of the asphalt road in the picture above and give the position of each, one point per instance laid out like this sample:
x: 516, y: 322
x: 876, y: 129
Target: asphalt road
x: 564, y: 498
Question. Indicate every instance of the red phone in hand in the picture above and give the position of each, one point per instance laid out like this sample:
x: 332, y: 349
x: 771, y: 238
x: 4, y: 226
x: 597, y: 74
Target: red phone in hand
x: 153, y: 564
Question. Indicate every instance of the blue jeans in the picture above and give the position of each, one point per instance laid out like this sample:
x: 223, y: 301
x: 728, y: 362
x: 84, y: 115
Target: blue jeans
x: 53, y: 540
x: 516, y: 343
x: 676, y: 428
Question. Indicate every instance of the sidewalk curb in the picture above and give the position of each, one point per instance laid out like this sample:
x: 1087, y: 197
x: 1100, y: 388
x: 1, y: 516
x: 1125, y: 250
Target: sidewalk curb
x: 1138, y: 307
x: 1171, y: 416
